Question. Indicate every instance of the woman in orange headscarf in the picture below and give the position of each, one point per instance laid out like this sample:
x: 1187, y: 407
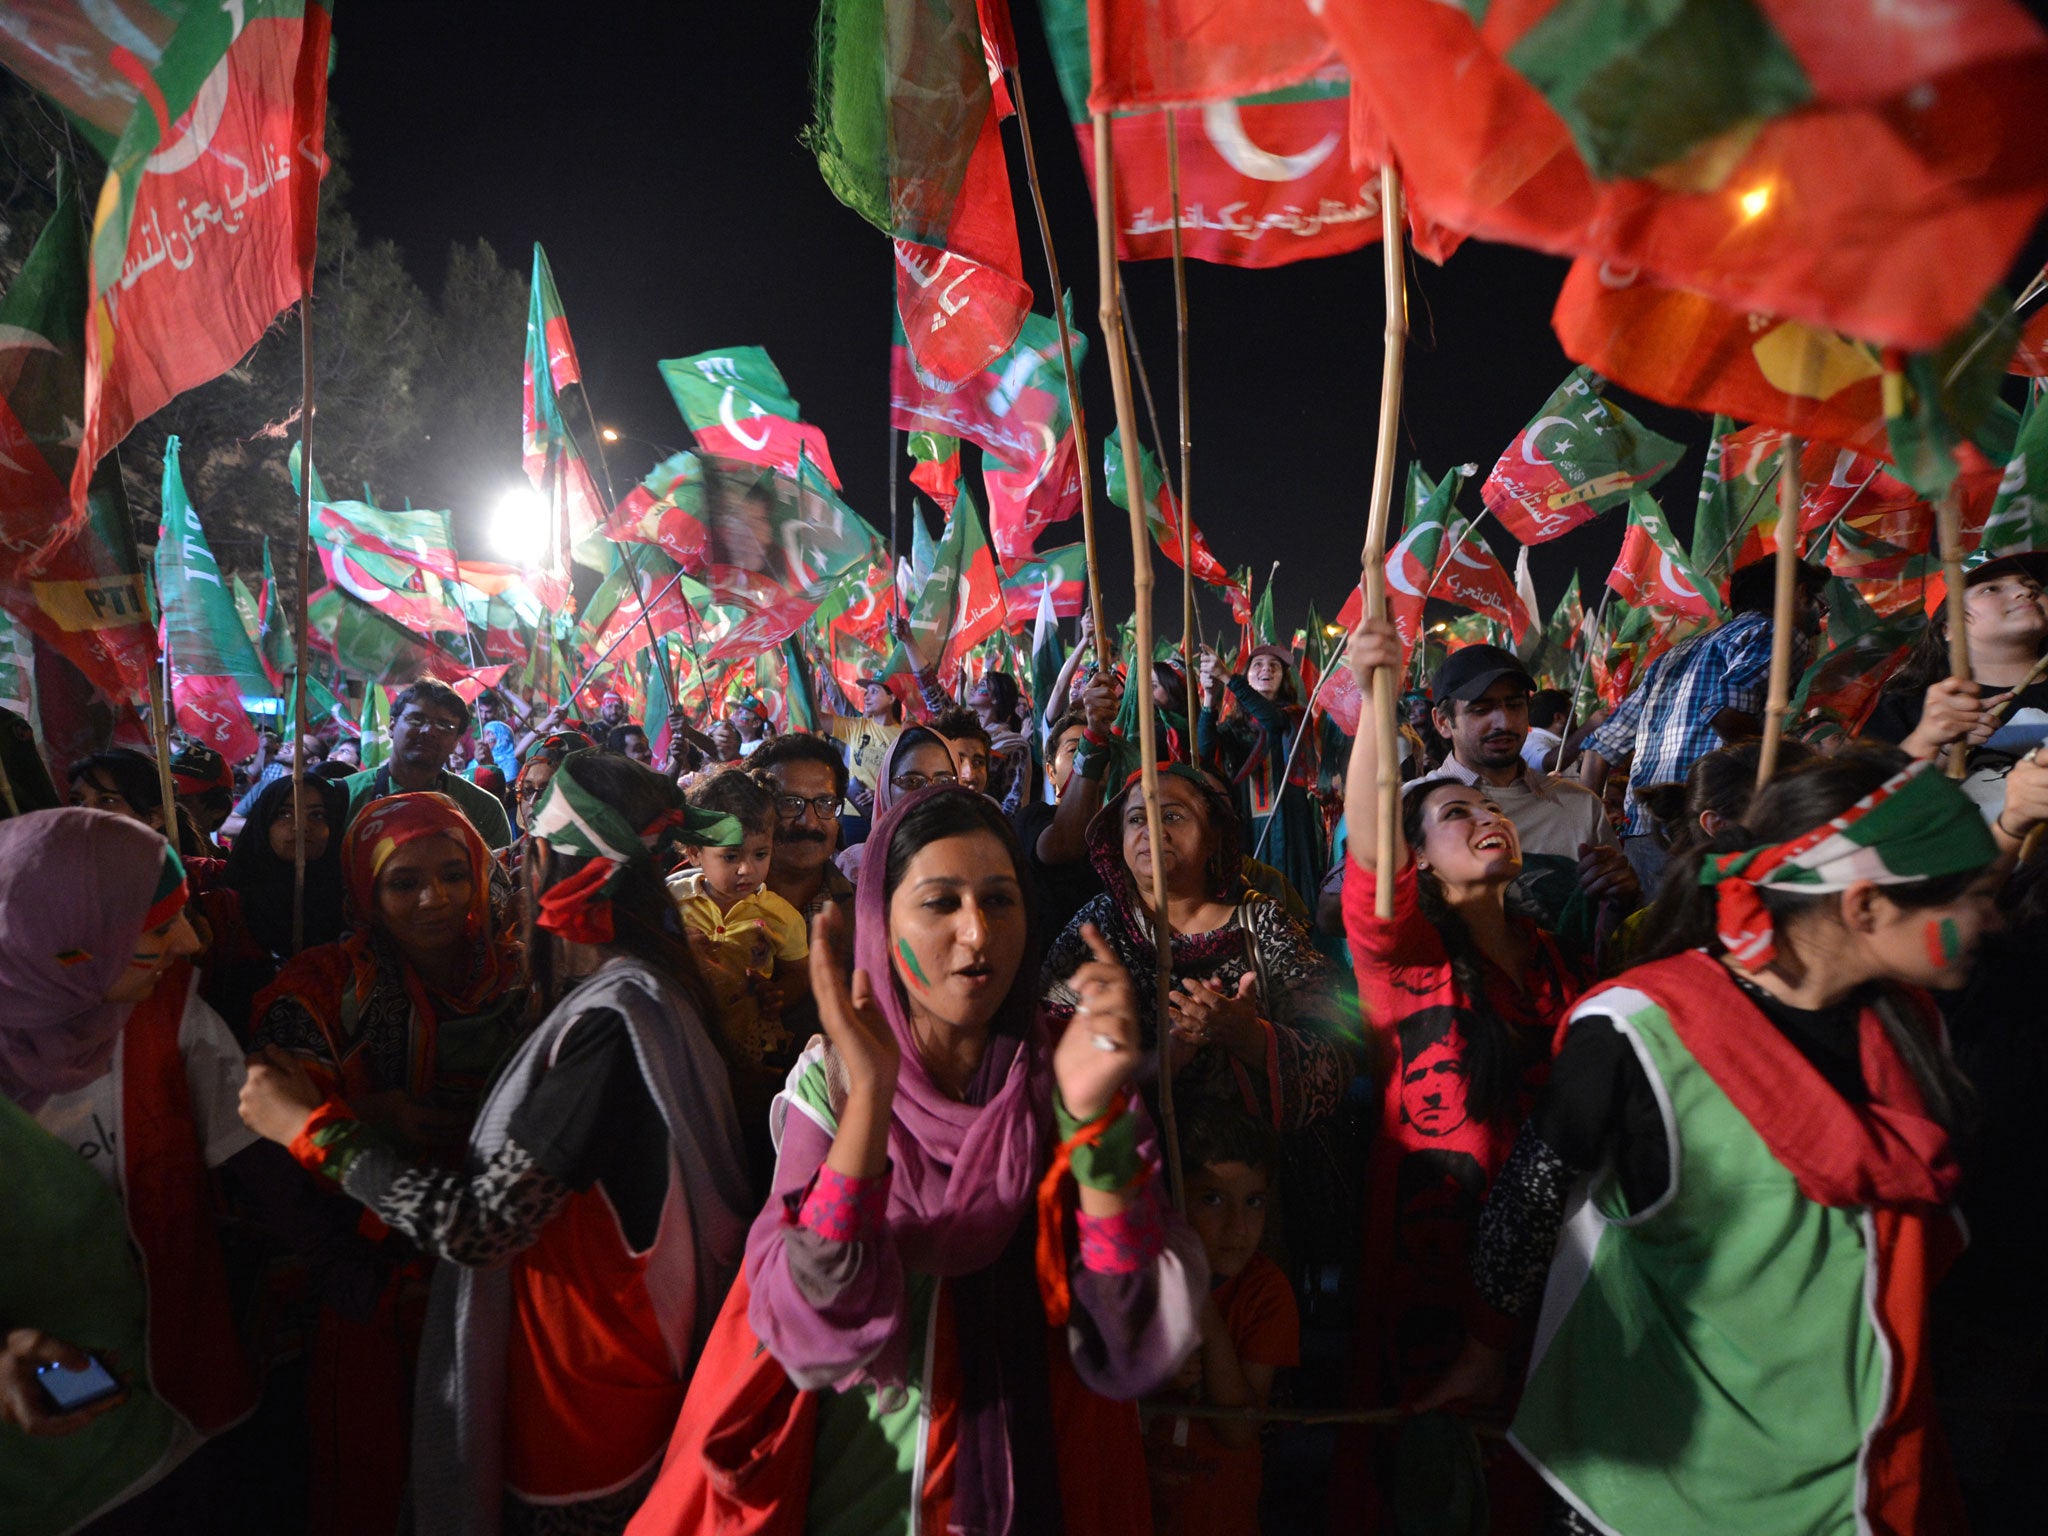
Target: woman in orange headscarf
x: 404, y: 1020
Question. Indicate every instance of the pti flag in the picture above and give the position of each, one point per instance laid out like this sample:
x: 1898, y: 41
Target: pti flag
x: 1162, y: 511
x: 86, y: 600
x: 1059, y: 576
x: 737, y: 404
x: 1579, y: 457
x: 1653, y: 571
x: 204, y: 227
x: 553, y: 461
x: 1015, y: 409
x: 212, y: 662
x: 938, y: 467
x: 1021, y: 502
x: 962, y: 604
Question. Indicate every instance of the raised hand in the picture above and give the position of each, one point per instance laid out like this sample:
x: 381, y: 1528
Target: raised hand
x: 865, y: 1043
x: 1099, y: 1051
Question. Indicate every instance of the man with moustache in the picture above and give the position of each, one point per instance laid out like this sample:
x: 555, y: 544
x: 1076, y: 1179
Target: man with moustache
x: 808, y: 779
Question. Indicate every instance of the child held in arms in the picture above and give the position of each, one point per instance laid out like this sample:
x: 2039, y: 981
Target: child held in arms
x: 750, y: 943
x: 1205, y: 1473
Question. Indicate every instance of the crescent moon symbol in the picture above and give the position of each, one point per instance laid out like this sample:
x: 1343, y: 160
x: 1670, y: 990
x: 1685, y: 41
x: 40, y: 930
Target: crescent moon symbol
x: 201, y: 120
x: 731, y: 424
x: 1529, y: 438
x: 1225, y: 128
x: 1669, y: 573
x: 1397, y: 559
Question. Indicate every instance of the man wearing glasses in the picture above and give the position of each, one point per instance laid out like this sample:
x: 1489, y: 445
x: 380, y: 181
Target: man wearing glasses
x: 808, y: 779
x: 426, y: 721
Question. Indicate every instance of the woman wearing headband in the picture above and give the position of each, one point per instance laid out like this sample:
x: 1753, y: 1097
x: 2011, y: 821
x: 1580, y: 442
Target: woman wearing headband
x: 599, y: 1214
x: 1760, y: 1119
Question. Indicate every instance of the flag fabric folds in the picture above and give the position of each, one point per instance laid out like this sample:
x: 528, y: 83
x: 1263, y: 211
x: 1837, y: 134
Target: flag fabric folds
x: 1653, y: 572
x: 1162, y: 511
x: 1578, y: 458
x: 213, y: 665
x: 737, y: 404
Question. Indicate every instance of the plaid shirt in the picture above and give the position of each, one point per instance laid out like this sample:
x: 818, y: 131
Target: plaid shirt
x: 1667, y: 719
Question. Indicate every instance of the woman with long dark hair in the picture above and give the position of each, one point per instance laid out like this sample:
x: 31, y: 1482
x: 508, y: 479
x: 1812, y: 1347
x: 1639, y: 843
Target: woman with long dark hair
x: 1252, y: 746
x: 1761, y: 1120
x: 951, y: 1336
x: 1463, y: 1000
x: 598, y: 1217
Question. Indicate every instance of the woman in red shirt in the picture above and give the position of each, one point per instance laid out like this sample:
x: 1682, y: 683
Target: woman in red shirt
x: 1462, y: 1004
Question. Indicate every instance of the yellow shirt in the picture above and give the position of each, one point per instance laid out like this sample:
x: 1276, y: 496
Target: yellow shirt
x: 749, y: 942
x: 867, y: 745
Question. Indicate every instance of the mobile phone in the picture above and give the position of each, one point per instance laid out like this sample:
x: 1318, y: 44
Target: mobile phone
x: 71, y: 1391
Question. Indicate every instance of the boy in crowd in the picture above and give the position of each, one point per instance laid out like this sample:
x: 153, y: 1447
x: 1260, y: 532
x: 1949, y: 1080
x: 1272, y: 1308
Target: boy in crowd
x: 751, y: 945
x: 1206, y: 1472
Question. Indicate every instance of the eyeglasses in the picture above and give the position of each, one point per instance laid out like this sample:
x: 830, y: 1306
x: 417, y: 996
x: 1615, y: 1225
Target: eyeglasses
x: 432, y: 724
x: 909, y: 782
x: 824, y: 807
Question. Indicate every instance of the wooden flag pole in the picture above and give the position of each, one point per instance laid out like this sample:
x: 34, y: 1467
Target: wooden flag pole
x: 1778, y: 702
x: 1384, y: 682
x: 1187, y: 439
x: 1059, y: 315
x: 160, y: 731
x: 305, y: 648
x: 1948, y: 520
x: 1138, y: 676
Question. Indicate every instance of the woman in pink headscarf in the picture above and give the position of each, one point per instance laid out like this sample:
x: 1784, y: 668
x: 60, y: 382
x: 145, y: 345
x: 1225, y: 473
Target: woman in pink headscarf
x: 117, y: 1097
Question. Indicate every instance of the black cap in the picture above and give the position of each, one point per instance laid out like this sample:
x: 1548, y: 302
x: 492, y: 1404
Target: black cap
x: 2026, y: 563
x: 1468, y: 673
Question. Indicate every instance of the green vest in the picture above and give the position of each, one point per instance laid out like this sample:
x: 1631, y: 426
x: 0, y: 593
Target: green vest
x: 1709, y: 1365
x: 66, y: 1268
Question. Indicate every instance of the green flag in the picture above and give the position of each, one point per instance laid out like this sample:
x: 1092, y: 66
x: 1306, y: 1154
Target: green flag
x: 1859, y: 650
x: 796, y: 694
x: 375, y: 725
x: 2018, y: 523
x: 737, y: 404
x: 1578, y: 457
x: 212, y: 662
x: 1717, y: 524
x: 1264, y: 629
x: 1951, y: 395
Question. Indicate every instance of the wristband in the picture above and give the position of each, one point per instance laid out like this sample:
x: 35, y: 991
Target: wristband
x: 1093, y: 737
x: 1091, y: 765
x: 1108, y: 1161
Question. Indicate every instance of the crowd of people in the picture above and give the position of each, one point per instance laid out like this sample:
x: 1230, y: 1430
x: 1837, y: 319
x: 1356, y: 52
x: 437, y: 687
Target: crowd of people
x: 580, y: 1125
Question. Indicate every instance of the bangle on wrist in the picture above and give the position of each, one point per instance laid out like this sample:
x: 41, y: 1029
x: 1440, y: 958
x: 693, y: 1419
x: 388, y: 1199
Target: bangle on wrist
x: 1998, y: 822
x: 1093, y: 737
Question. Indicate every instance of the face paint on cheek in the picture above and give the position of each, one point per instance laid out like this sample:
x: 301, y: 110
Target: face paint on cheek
x: 910, y: 965
x: 1944, y: 943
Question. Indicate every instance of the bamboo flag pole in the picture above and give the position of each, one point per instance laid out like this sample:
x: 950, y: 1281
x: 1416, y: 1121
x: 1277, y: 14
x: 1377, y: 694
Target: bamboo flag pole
x: 1374, y: 556
x: 611, y: 498
x: 1948, y: 520
x: 305, y: 648
x: 1187, y: 439
x: 1140, y: 664
x: 160, y: 731
x: 1073, y: 378
x: 1778, y: 702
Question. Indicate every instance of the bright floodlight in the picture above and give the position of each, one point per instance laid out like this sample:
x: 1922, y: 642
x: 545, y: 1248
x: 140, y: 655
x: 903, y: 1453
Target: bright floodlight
x: 519, y: 528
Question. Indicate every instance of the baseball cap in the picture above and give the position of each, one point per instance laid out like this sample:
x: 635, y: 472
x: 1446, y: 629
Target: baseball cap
x: 195, y: 769
x: 1469, y: 672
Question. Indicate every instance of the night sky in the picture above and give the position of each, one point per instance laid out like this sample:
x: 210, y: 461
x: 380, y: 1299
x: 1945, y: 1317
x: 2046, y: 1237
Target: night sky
x: 657, y: 160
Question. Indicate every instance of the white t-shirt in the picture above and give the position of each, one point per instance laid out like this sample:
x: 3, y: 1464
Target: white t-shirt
x: 88, y: 1119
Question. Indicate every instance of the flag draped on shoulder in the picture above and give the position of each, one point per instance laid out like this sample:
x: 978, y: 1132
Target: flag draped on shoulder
x: 213, y: 663
x: 204, y: 229
x: 1578, y: 458
x: 84, y: 598
x: 737, y: 404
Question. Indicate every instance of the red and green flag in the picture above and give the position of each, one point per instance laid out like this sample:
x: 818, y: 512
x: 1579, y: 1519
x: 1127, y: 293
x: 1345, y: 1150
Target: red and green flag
x: 1162, y: 511
x: 1022, y: 502
x: 82, y: 597
x: 937, y: 467
x: 553, y: 461
x: 1440, y: 555
x: 907, y: 134
x: 1578, y: 458
x: 369, y: 644
x: 962, y: 604
x: 1857, y: 166
x: 1859, y: 651
x: 213, y: 664
x: 1058, y: 576
x: 204, y: 229
x: 1015, y: 408
x: 1653, y: 572
x: 737, y: 404
x: 2018, y: 521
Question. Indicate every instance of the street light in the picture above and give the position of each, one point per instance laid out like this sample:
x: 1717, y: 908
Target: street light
x: 608, y: 434
x: 519, y: 527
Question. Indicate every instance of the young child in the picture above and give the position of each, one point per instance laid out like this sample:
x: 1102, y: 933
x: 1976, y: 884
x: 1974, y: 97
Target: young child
x: 750, y: 943
x: 1205, y: 1472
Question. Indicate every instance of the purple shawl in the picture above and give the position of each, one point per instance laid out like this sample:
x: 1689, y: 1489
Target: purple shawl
x: 966, y: 1172
x: 75, y: 886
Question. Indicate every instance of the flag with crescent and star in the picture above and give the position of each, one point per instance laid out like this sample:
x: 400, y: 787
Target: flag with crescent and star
x: 211, y: 120
x: 737, y: 404
x: 1653, y: 572
x: 1578, y: 458
x: 936, y: 471
x: 962, y: 604
x: 1023, y: 502
x: 1438, y: 555
x: 553, y: 461
x: 86, y: 601
x: 1015, y: 409
x: 213, y: 663
x: 1058, y: 576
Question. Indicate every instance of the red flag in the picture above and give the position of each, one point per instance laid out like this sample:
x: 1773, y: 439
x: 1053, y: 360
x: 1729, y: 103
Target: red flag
x: 205, y: 228
x: 1652, y: 572
x: 1882, y: 198
x: 1162, y: 53
x: 2031, y: 356
x: 1022, y: 502
x: 1684, y: 349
